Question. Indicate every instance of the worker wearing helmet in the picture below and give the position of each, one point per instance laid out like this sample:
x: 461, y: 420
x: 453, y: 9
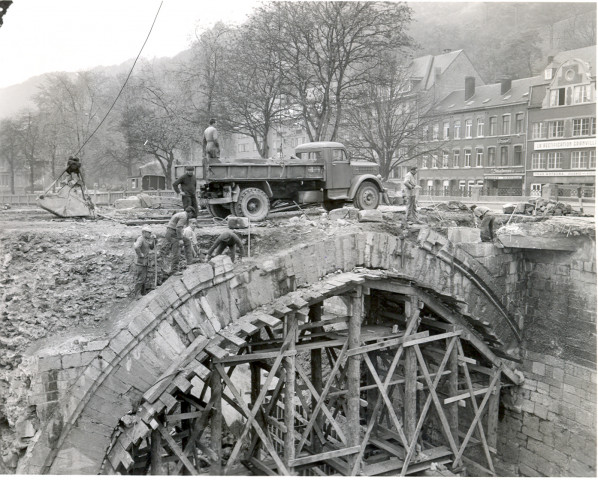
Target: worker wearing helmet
x: 485, y: 216
x: 174, y: 233
x: 143, y: 245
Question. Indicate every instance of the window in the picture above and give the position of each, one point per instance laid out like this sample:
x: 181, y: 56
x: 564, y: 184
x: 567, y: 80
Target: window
x: 506, y: 124
x: 579, y: 159
x: 480, y: 130
x: 134, y: 184
x: 504, y: 156
x: 539, y: 130
x: 457, y: 129
x: 425, y: 161
x: 583, y: 126
x: 445, y: 160
x: 435, y: 134
x: 445, y: 130
x: 434, y: 161
x: 548, y: 74
x: 536, y: 189
x: 517, y: 155
x: 556, y: 129
x: 467, y: 158
x: 493, y: 123
x: 468, y: 125
x: 425, y: 132
x: 479, y: 157
x: 491, y: 156
x: 554, y: 160
x: 592, y: 163
x: 557, y: 97
x: 538, y: 161
x: 339, y: 155
x: 519, y: 123
x: 581, y: 94
x: 456, y: 159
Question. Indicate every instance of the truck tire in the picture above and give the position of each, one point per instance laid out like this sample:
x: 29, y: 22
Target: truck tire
x: 217, y: 210
x: 253, y: 203
x: 332, y: 204
x: 367, y: 196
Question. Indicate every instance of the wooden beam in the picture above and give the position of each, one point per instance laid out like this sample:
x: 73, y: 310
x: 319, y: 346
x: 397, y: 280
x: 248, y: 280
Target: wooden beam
x: 325, y: 456
x: 387, y: 343
x: 492, y: 425
x: 353, y: 373
x: 463, y: 396
x: 289, y: 393
x: 410, y: 398
x: 177, y: 450
x: 216, y: 425
x: 157, y: 466
x: 315, y: 314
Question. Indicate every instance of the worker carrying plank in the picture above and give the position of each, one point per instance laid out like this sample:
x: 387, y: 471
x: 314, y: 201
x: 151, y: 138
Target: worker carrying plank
x: 485, y: 216
x: 144, y: 243
x: 174, y: 233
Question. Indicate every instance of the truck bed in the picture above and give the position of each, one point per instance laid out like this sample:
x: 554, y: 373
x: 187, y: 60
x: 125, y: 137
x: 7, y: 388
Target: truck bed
x: 265, y: 171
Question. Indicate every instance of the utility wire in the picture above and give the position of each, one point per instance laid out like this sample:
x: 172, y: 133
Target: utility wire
x: 124, y: 84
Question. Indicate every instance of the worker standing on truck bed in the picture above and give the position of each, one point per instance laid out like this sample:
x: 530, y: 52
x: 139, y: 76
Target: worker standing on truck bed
x: 230, y: 240
x: 174, y: 233
x: 188, y: 184
x: 143, y: 245
x: 210, y: 143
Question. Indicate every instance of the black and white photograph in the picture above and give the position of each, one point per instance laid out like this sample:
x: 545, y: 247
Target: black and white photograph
x: 298, y: 238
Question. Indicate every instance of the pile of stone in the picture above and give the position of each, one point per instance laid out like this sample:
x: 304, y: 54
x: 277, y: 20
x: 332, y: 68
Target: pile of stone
x: 540, y: 207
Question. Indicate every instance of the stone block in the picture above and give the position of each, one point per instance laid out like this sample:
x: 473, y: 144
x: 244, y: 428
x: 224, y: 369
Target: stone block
x: 538, y: 368
x: 370, y: 216
x: 464, y: 235
x: 141, y: 322
x: 237, y: 222
x: 124, y: 203
x: 120, y: 341
x: 49, y: 363
x: 345, y: 213
x: 72, y: 360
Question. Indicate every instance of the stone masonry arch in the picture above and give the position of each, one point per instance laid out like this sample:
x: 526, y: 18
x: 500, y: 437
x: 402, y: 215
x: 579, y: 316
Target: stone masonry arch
x: 210, y: 306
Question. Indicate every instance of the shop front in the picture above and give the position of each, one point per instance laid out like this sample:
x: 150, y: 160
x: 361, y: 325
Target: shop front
x: 504, y: 182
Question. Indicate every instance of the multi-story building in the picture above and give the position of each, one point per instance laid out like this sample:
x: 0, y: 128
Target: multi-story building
x: 20, y: 180
x: 481, y: 138
x: 562, y: 125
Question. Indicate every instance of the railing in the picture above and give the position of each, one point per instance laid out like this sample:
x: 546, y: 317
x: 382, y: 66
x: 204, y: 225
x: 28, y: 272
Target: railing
x: 586, y: 192
x: 98, y: 198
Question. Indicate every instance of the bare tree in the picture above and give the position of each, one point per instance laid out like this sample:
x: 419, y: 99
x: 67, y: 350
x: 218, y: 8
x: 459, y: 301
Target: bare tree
x: 386, y: 124
x: 326, y: 51
x: 10, y: 149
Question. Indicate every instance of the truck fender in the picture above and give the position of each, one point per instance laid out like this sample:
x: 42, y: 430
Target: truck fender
x: 357, y: 181
x: 265, y: 186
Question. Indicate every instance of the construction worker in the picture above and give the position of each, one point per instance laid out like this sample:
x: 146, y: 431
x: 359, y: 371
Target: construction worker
x: 211, y: 147
x: 188, y: 184
x: 174, y: 233
x: 73, y: 165
x: 189, y: 233
x: 485, y: 216
x: 230, y: 240
x: 410, y: 185
x: 144, y: 243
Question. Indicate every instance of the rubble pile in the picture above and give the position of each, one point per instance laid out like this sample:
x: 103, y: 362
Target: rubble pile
x: 541, y: 207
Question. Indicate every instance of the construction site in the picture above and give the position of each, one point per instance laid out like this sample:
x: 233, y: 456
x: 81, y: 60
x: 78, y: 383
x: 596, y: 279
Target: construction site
x: 343, y: 343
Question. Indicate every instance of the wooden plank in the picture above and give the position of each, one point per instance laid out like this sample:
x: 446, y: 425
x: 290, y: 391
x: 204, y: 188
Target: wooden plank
x: 318, y: 457
x: 202, y: 371
x: 268, y: 320
x: 247, y: 327
x: 331, y: 320
x: 177, y: 450
x: 262, y: 467
x: 232, y: 338
x: 387, y: 343
x: 432, y: 338
x: 282, y: 310
x: 252, y: 357
x: 391, y: 448
x: 463, y: 396
x: 464, y: 359
x: 289, y: 394
x: 492, y: 425
x: 183, y: 416
x: 216, y: 352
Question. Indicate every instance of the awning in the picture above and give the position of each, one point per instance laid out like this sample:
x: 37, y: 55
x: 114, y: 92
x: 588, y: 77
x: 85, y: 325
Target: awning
x: 491, y: 176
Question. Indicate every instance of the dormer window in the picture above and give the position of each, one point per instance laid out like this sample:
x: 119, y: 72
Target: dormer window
x: 548, y: 74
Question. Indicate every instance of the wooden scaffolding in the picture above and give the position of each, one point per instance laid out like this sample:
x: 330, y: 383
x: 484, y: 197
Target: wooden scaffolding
x: 386, y: 386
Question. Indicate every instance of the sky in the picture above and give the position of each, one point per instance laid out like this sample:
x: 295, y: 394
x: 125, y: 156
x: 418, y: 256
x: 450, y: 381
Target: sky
x: 40, y: 36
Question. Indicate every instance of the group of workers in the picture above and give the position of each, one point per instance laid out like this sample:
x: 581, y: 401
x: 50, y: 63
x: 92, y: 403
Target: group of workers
x: 180, y: 229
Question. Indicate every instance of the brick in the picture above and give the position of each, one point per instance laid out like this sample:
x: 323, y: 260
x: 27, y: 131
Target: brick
x: 543, y: 388
x: 541, y: 411
x: 558, y: 374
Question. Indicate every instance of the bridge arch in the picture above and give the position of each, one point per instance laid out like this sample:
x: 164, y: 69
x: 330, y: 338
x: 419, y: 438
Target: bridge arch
x: 173, y: 330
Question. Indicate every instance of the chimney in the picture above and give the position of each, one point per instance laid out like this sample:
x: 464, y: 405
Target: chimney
x: 505, y: 85
x: 447, y: 50
x: 550, y: 59
x: 469, y: 87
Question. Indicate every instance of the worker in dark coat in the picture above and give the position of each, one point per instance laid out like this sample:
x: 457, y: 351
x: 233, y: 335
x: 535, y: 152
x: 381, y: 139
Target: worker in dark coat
x: 486, y: 225
x: 143, y: 245
x: 230, y: 240
x: 73, y: 165
x: 188, y: 184
x: 174, y: 234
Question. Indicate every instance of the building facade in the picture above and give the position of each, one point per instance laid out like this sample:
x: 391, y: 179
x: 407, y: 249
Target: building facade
x: 20, y: 180
x: 562, y: 126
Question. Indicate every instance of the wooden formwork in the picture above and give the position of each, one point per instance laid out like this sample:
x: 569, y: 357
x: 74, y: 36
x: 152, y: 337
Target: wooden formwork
x: 386, y: 388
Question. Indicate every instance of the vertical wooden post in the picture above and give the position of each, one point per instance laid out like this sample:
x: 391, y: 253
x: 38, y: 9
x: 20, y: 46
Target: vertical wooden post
x: 157, y: 466
x: 289, y: 392
x: 493, y: 404
x: 315, y: 314
x: 216, y: 423
x: 410, y: 399
x: 452, y: 387
x: 353, y: 374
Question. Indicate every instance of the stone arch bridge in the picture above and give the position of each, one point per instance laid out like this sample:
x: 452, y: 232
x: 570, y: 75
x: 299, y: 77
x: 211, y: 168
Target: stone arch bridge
x: 400, y: 325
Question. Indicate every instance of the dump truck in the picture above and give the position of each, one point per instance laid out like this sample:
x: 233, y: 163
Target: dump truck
x: 319, y: 173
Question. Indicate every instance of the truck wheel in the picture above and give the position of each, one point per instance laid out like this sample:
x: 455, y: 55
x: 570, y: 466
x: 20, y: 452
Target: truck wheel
x: 253, y: 204
x: 333, y: 204
x: 367, y: 196
x: 217, y: 210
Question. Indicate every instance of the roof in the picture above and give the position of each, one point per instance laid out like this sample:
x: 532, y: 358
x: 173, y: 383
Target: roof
x: 424, y: 67
x: 487, y: 96
x: 319, y: 145
x: 585, y: 54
